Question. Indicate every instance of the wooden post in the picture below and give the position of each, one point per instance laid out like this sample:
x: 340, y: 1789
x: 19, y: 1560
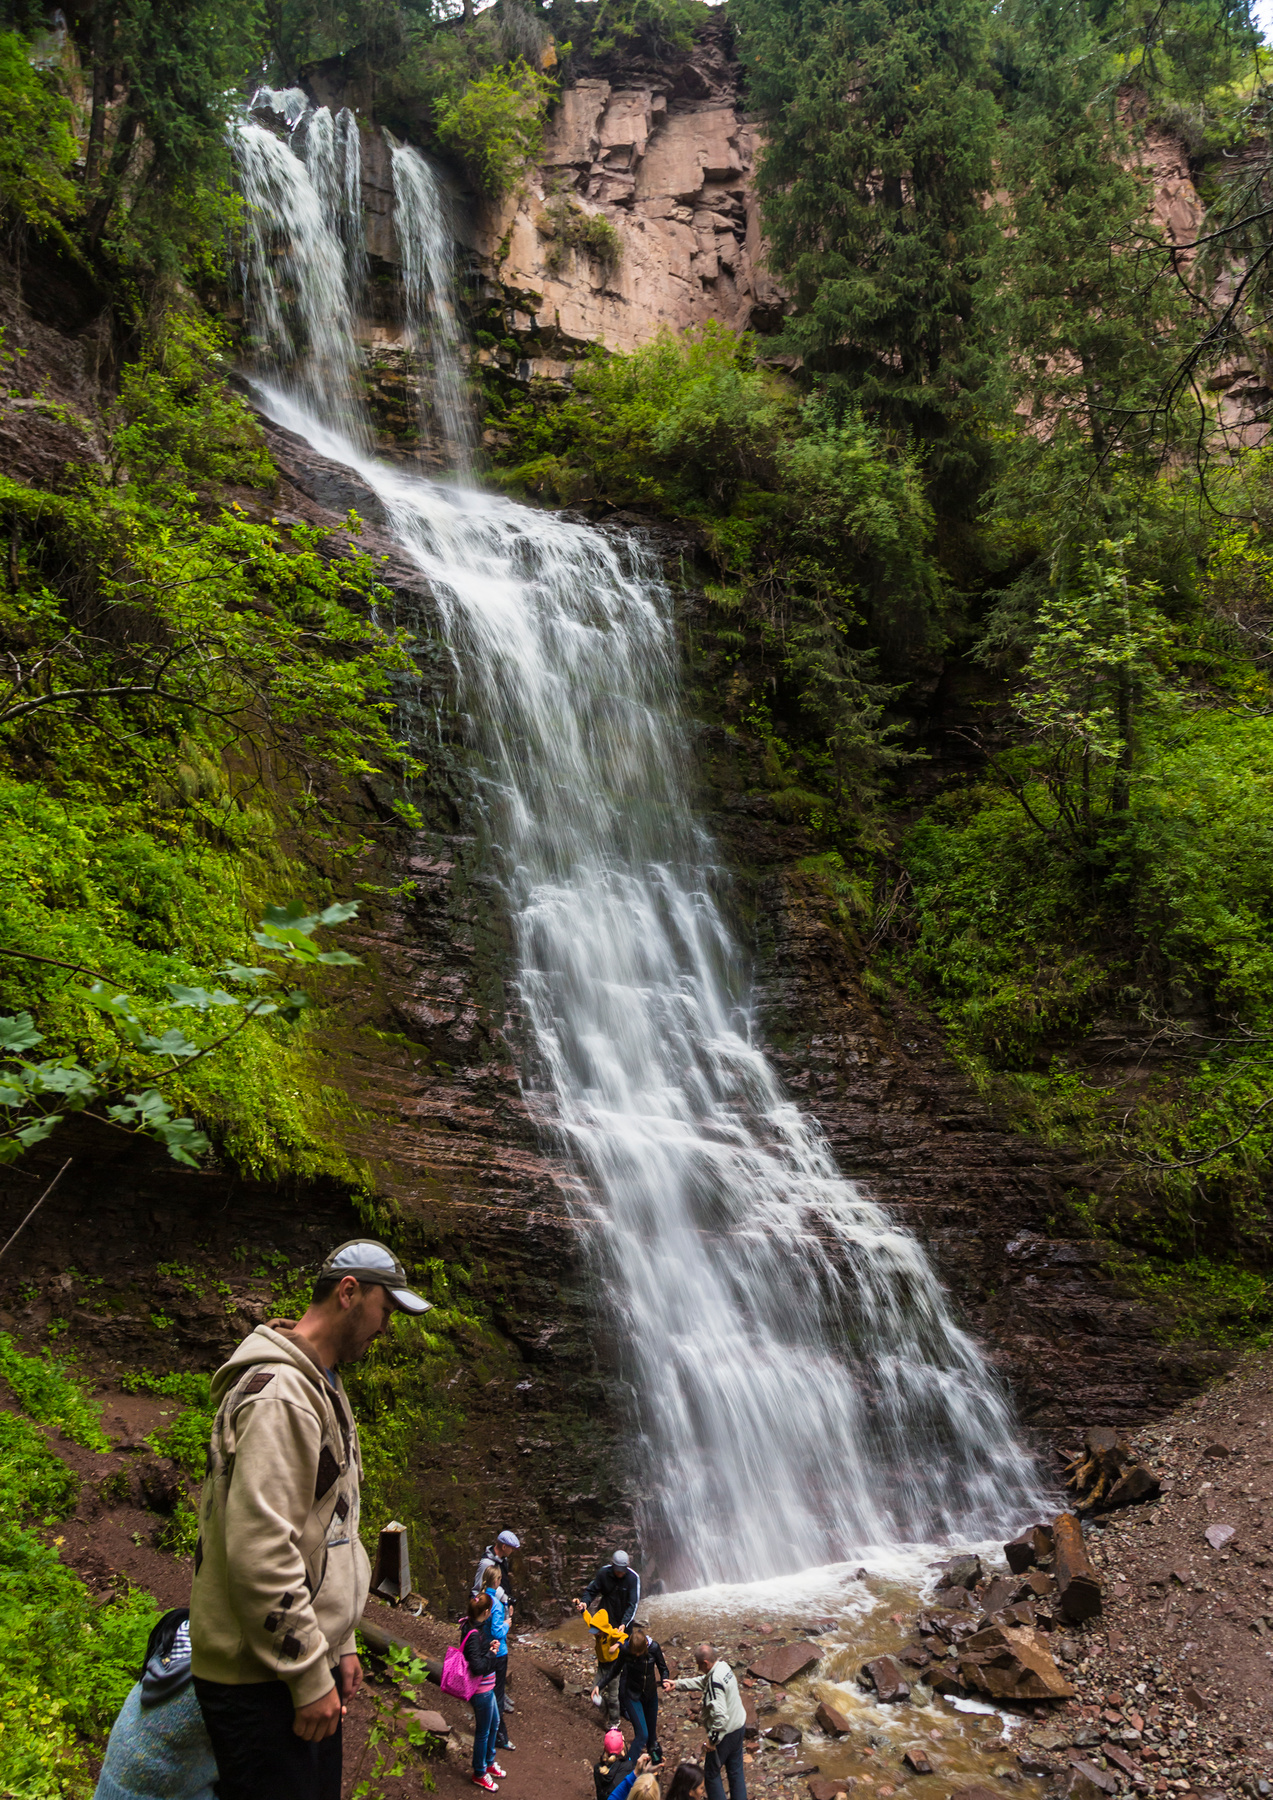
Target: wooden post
x: 1078, y: 1585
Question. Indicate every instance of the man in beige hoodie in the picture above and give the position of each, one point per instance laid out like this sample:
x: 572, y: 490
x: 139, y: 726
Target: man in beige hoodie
x: 281, y: 1576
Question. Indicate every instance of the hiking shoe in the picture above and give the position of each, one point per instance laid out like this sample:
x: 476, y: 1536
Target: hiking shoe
x: 493, y: 1768
x: 485, y: 1782
x: 505, y: 1745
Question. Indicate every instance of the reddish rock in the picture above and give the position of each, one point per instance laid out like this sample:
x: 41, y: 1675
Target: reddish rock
x: 1077, y: 1583
x: 831, y: 1787
x: 916, y: 1758
x: 832, y: 1721
x: 784, y: 1662
x: 884, y: 1674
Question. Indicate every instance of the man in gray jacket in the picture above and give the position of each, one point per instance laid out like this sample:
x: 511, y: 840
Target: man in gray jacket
x: 723, y: 1721
x: 280, y: 1575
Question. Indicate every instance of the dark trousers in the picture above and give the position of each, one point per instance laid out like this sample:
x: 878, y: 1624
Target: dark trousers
x: 727, y: 1756
x: 501, y: 1681
x: 259, y: 1756
x: 644, y: 1715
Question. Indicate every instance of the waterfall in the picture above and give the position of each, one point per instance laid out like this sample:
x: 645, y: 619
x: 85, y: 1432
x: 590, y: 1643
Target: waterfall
x: 425, y: 249
x: 800, y: 1386
x: 304, y: 259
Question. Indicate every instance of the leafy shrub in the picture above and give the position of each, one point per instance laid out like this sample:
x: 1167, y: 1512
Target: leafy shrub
x: 186, y: 1439
x: 37, y: 146
x: 568, y: 227
x: 495, y: 124
x: 179, y: 420
x: 660, y: 25
x: 193, y: 1389
x: 47, y: 1393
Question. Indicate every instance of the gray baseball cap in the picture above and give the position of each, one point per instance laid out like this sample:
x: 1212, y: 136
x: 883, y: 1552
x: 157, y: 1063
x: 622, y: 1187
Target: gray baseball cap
x: 370, y: 1262
x: 620, y: 1559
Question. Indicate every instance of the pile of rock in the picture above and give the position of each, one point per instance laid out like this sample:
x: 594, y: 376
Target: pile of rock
x: 991, y: 1636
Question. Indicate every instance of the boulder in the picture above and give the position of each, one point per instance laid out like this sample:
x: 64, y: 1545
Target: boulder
x: 916, y: 1758
x: 784, y: 1732
x: 1078, y: 1585
x: 884, y: 1674
x: 999, y: 1592
x: 430, y: 1721
x: 1036, y: 1586
x: 948, y: 1626
x: 1012, y: 1664
x: 947, y: 1680
x: 1219, y: 1535
x: 961, y: 1572
x: 831, y: 1787
x: 915, y: 1656
x: 784, y: 1662
x: 831, y: 1720
x: 1033, y: 1546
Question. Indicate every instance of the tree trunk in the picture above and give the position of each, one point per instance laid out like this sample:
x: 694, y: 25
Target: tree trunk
x: 121, y: 156
x: 103, y: 82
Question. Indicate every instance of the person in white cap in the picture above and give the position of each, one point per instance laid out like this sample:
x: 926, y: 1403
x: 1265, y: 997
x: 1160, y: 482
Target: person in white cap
x: 280, y: 1576
x: 616, y: 1589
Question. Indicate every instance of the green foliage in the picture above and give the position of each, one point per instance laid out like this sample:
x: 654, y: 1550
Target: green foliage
x: 179, y: 679
x: 34, y: 1482
x: 66, y: 1661
x: 186, y: 1440
x: 37, y: 1096
x: 179, y: 422
x: 46, y: 1391
x: 1221, y: 1303
x: 567, y: 227
x: 395, y: 1729
x: 495, y: 124
x: 192, y: 1390
x: 37, y: 146
x: 66, y: 1666
x: 880, y: 138
x: 659, y: 26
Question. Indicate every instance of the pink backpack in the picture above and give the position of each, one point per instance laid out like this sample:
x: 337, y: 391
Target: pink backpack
x: 457, y: 1677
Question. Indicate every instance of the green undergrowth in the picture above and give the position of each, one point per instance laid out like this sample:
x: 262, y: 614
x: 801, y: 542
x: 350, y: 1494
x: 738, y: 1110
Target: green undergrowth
x: 47, y: 1392
x: 186, y: 680
x: 1215, y: 1302
x: 67, y: 1660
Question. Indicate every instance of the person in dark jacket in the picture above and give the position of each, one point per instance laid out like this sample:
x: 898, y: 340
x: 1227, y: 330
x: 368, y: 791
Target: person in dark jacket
x: 614, y: 1591
x: 639, y: 1668
x: 617, y: 1587
x: 478, y: 1644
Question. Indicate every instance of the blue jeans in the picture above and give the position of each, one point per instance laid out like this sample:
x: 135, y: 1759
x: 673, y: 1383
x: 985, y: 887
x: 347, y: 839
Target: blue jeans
x: 485, y: 1725
x: 727, y: 1755
x: 644, y: 1715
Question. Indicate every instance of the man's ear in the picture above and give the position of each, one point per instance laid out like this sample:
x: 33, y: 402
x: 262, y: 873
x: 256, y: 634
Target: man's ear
x: 347, y: 1291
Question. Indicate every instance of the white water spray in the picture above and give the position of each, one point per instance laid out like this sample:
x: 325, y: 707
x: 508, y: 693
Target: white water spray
x: 426, y: 251
x: 801, y: 1387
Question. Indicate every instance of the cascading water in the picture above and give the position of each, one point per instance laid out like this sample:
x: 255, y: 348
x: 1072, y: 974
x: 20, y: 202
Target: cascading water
x: 297, y: 271
x: 425, y: 248
x: 801, y: 1387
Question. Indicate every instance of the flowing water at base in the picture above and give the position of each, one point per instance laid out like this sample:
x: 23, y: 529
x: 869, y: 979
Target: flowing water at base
x: 799, y: 1385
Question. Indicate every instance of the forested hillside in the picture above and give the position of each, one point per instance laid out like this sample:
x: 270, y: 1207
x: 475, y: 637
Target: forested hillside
x: 964, y: 493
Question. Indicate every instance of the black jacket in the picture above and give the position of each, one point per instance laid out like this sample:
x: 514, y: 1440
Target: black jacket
x: 638, y: 1679
x: 618, y: 1590
x: 479, y: 1647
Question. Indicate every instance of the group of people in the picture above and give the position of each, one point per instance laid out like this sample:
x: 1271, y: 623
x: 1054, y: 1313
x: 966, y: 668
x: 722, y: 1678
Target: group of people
x: 244, y: 1694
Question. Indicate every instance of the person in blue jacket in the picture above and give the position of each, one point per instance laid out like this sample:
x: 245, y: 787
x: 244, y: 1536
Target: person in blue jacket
x: 500, y: 1622
x: 159, y: 1747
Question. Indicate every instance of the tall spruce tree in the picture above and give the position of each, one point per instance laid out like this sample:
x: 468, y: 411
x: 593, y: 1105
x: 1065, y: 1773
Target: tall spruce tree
x: 881, y: 132
x: 1084, y: 302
